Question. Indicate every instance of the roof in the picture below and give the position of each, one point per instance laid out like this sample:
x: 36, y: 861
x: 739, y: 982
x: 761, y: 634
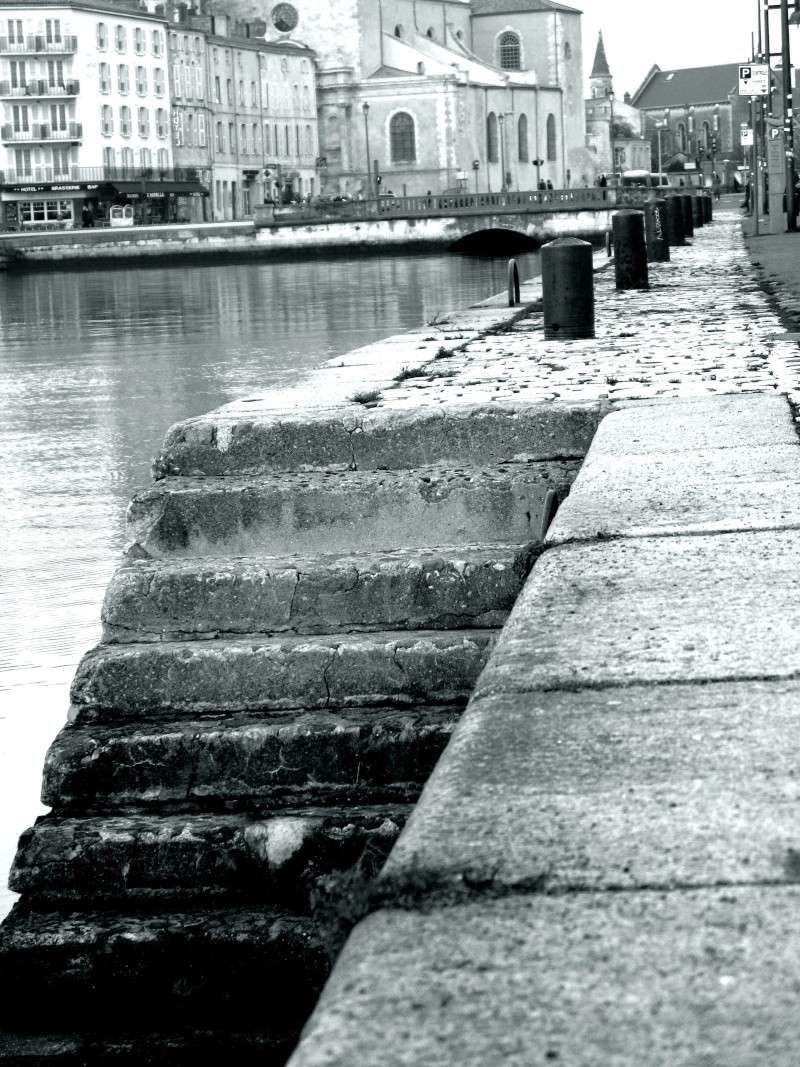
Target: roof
x: 514, y: 7
x: 600, y: 62
x: 689, y: 85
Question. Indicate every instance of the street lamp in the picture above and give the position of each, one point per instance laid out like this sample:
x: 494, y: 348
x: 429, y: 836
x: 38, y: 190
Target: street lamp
x: 659, y: 127
x: 365, y: 109
x: 611, y: 135
x: 788, y: 120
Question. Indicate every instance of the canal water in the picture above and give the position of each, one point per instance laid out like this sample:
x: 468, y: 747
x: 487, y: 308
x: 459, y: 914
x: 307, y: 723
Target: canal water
x: 94, y: 366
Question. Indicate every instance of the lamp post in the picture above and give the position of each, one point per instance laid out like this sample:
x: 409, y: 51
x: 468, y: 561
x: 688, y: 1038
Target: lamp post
x: 788, y: 120
x: 611, y: 136
x: 365, y: 109
x: 659, y: 127
x: 501, y: 119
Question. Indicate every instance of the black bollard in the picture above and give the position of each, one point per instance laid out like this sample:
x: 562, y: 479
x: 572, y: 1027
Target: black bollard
x: 708, y: 210
x: 675, y: 231
x: 686, y: 207
x: 630, y: 250
x: 513, y: 283
x: 568, y: 289
x: 698, y: 218
x: 656, y: 230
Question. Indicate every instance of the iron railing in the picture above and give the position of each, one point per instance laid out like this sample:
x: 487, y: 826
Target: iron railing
x: 93, y: 175
x: 38, y: 44
x: 41, y: 131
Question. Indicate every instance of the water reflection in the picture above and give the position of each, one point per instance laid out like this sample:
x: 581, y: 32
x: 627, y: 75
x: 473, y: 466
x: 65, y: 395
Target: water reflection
x: 94, y: 366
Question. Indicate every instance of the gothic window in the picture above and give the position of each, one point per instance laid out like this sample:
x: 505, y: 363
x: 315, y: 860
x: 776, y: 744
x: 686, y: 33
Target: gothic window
x: 551, y: 137
x: 402, y: 142
x: 522, y: 139
x: 705, y: 137
x: 681, y: 137
x: 510, y: 53
x: 491, y: 137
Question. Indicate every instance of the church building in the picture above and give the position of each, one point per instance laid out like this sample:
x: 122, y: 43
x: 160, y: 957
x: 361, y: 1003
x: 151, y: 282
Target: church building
x: 614, y: 127
x: 432, y: 95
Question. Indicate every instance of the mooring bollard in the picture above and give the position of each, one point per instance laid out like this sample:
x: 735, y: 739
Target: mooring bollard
x: 708, y: 209
x: 686, y: 207
x: 675, y: 231
x: 698, y: 215
x: 630, y: 250
x: 656, y: 230
x: 568, y: 289
x: 513, y: 283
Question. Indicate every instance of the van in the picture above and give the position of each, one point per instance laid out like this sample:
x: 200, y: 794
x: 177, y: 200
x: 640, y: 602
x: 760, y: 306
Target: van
x: 643, y: 179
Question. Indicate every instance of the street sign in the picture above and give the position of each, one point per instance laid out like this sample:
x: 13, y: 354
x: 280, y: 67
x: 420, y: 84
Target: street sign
x: 746, y: 137
x: 754, y: 80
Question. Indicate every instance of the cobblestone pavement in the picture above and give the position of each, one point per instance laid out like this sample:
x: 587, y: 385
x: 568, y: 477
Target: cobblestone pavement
x: 705, y: 326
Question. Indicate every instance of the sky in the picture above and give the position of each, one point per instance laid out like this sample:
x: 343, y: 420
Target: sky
x: 671, y: 33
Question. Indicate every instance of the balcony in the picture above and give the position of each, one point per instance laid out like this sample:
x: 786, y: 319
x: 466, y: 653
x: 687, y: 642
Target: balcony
x: 41, y: 132
x: 39, y: 89
x: 38, y: 45
x: 102, y: 174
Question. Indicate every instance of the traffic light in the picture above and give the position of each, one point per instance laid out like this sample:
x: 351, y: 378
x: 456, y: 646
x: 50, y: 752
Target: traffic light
x: 537, y: 162
x: 713, y: 145
x: 476, y: 163
x: 378, y: 179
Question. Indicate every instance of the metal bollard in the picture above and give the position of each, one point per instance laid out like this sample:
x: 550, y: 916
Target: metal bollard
x: 708, y: 209
x: 630, y: 250
x: 568, y: 289
x: 675, y: 231
x: 656, y: 230
x: 698, y: 215
x: 686, y: 207
x: 513, y: 283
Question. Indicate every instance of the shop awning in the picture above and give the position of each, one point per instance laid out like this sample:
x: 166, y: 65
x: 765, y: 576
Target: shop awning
x: 135, y: 190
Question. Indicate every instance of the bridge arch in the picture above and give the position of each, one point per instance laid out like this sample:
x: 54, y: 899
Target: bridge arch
x: 494, y: 240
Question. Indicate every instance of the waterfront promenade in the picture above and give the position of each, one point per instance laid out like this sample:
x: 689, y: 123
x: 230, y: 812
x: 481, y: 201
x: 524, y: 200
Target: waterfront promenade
x: 602, y: 866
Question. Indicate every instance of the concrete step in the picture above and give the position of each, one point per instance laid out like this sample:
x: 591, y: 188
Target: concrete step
x: 242, y: 439
x: 277, y: 858
x: 256, y: 674
x: 421, y: 589
x: 252, y: 968
x: 344, y: 511
x: 352, y: 756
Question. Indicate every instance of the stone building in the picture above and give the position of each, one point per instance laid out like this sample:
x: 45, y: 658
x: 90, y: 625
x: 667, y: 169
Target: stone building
x: 614, y: 127
x: 86, y: 114
x: 697, y: 113
x: 419, y: 95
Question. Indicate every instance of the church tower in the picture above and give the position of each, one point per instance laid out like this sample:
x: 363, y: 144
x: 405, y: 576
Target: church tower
x: 600, y: 80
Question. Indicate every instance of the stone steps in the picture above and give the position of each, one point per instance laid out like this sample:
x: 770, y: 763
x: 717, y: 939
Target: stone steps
x: 150, y: 969
x: 276, y: 858
x: 322, y: 512
x: 352, y: 756
x: 127, y: 682
x: 417, y: 589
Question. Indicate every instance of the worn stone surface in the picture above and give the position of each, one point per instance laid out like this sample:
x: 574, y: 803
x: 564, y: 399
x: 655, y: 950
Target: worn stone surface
x: 275, y: 858
x: 420, y: 589
x: 238, y: 439
x: 345, y: 511
x: 673, y: 979
x: 670, y: 609
x: 151, y: 968
x: 639, y: 786
x: 213, y: 677
x: 369, y: 755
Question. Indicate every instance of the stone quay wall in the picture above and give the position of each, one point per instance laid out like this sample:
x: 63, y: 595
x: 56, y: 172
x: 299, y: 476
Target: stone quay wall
x: 319, y: 580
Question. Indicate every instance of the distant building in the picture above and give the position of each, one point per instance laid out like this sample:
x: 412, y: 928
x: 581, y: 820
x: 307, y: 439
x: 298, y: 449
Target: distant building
x: 614, y: 127
x: 699, y: 114
x: 449, y: 94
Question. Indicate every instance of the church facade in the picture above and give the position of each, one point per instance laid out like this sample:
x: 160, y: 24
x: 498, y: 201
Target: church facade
x: 432, y: 95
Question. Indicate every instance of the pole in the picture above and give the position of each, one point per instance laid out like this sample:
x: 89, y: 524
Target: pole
x: 660, y: 171
x: 365, y: 109
x: 755, y: 177
x: 768, y: 55
x: 611, y: 137
x: 788, y: 123
x: 502, y: 121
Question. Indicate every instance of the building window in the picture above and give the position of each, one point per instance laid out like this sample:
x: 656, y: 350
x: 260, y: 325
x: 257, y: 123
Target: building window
x: 18, y: 73
x: 705, y: 137
x: 122, y: 78
x: 402, y: 142
x: 255, y: 138
x: 306, y: 99
x: 220, y: 138
x: 241, y: 93
x: 61, y: 161
x: 106, y: 120
x: 253, y: 95
x: 567, y: 50
x: 296, y: 98
x: 176, y: 79
x: 267, y: 148
x: 522, y: 139
x: 229, y: 90
x: 198, y: 82
x: 189, y: 130
x: 309, y: 141
x: 509, y: 51
x: 145, y: 158
x: 161, y: 123
x: 163, y: 159
x: 201, y: 130
x: 158, y: 81
x: 19, y: 116
x: 138, y: 41
x: 286, y: 141
x: 144, y: 122
x: 243, y: 146
x: 55, y: 73
x: 551, y: 137
x: 156, y: 44
x: 120, y: 38
x: 22, y: 160
x: 125, y: 120
x: 52, y: 31
x: 108, y: 159
x: 15, y: 31
x: 196, y: 44
x: 102, y: 36
x: 127, y: 158
x: 141, y: 81
x: 187, y: 82
x: 104, y: 75
x: 217, y: 89
x: 58, y: 117
x: 491, y: 137
x: 232, y: 138
x: 681, y: 137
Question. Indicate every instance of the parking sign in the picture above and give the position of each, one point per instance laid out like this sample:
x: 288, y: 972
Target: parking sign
x: 754, y: 80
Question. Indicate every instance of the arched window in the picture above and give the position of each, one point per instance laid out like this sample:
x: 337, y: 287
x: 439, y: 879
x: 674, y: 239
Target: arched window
x: 551, y: 137
x: 509, y: 50
x: 705, y: 137
x: 681, y: 137
x: 402, y: 143
x: 491, y: 137
x: 522, y: 139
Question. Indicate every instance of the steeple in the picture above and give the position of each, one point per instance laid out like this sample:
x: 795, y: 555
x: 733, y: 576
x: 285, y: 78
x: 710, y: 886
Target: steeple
x: 600, y: 80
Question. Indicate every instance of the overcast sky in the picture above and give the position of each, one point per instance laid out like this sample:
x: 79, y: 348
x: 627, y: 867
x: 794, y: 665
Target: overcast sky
x: 672, y: 33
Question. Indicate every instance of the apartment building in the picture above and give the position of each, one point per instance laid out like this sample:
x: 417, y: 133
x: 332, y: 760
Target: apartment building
x: 86, y: 121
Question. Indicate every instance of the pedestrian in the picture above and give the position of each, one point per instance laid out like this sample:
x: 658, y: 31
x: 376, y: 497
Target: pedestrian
x: 549, y: 184
x: 603, y: 182
x: 716, y: 184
